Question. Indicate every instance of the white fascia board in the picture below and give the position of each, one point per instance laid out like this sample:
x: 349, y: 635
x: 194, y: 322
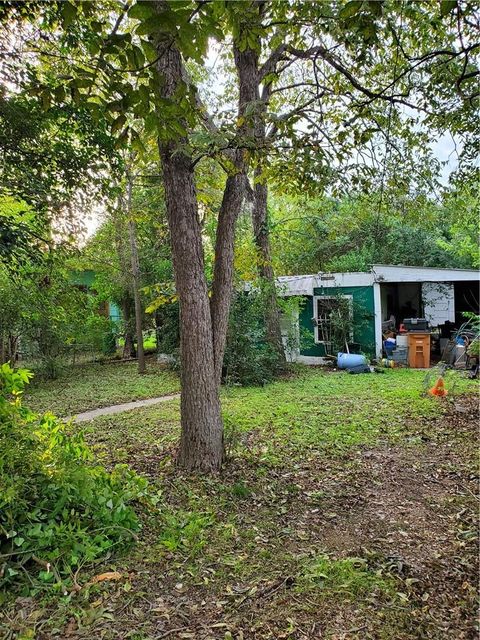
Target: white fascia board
x: 304, y: 285
x: 401, y: 273
x: 351, y: 279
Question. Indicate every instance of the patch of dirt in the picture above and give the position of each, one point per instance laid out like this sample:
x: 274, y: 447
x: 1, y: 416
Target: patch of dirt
x: 409, y: 509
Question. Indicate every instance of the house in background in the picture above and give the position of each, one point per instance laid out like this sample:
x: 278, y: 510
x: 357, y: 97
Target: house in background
x: 85, y: 281
x: 377, y: 299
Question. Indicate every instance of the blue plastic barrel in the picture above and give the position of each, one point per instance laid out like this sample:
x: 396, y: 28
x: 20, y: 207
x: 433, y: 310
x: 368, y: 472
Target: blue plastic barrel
x: 347, y: 360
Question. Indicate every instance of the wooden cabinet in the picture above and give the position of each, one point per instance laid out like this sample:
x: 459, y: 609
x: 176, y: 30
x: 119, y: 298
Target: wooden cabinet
x: 419, y: 350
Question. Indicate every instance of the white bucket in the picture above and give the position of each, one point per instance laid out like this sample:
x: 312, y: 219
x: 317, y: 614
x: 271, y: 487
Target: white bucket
x: 402, y: 340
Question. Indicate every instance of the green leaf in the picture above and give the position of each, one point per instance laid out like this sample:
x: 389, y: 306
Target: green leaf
x: 368, y: 31
x: 139, y: 57
x: 149, y: 50
x: 447, y: 6
x: 46, y: 100
x: 118, y: 123
x: 141, y: 10
x: 149, y: 26
x: 351, y: 9
x: 81, y: 83
x: 46, y: 576
x: 116, y: 105
x: 375, y: 7
x: 69, y: 13
x: 144, y: 94
x: 151, y: 123
x: 59, y: 93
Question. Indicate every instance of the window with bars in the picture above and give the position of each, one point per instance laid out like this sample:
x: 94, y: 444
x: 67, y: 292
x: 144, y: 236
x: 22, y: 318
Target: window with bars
x: 333, y: 321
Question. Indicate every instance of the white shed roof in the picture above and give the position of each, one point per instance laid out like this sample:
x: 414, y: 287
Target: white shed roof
x: 304, y: 285
x: 404, y: 273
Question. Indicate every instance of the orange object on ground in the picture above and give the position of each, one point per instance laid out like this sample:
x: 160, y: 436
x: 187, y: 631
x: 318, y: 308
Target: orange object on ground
x: 438, y: 388
x: 418, y: 350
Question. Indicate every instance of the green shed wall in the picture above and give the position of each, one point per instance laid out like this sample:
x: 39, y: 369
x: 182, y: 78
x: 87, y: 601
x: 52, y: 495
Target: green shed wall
x: 363, y: 319
x: 114, y: 312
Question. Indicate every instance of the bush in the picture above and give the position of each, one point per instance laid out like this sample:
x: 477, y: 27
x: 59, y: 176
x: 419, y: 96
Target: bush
x: 58, y: 509
x: 249, y: 358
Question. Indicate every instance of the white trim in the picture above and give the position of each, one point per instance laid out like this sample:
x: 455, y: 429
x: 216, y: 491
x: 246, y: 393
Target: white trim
x: 402, y: 273
x: 315, y: 309
x: 304, y: 285
x: 377, y: 309
x: 349, y: 279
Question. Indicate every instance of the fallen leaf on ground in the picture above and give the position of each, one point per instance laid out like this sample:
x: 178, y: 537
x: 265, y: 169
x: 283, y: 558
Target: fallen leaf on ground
x: 108, y: 575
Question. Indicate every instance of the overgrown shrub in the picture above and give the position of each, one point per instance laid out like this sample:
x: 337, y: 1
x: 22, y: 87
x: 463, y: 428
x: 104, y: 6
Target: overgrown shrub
x: 58, y: 509
x: 167, y: 321
x: 249, y: 358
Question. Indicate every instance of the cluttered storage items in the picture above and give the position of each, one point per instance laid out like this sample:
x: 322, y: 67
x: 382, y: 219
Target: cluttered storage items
x: 417, y: 345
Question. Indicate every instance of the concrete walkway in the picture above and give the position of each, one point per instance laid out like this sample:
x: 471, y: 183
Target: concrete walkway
x: 119, y: 408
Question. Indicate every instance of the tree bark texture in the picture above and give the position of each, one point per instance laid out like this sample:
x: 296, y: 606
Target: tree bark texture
x: 265, y: 269
x: 128, y: 334
x: 201, y: 442
x: 223, y: 267
x: 233, y: 196
x: 247, y: 65
x: 135, y: 281
x: 127, y: 303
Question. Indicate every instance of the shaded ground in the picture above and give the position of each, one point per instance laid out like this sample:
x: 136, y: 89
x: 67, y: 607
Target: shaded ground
x: 84, y: 387
x: 347, y: 510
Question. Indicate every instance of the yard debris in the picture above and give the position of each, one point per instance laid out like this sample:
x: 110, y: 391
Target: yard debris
x: 103, y: 577
x: 362, y: 368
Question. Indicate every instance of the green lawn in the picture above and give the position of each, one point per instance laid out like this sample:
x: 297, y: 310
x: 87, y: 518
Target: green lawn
x: 346, y: 509
x: 89, y: 386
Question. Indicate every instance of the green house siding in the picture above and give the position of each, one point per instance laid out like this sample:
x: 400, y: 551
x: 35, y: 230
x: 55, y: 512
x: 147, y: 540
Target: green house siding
x: 307, y: 333
x: 86, y: 279
x: 363, y: 319
x: 114, y: 312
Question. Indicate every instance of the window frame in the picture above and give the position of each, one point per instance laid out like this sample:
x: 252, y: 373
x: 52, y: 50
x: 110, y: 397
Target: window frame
x: 349, y: 297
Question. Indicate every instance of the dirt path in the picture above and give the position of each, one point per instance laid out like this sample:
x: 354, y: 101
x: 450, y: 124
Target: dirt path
x: 119, y: 408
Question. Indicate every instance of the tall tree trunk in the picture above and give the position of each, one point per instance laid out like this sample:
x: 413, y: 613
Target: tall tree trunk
x: 201, y: 442
x: 127, y: 304
x: 247, y: 65
x: 12, y: 349
x: 223, y: 266
x: 265, y: 268
x: 135, y: 280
